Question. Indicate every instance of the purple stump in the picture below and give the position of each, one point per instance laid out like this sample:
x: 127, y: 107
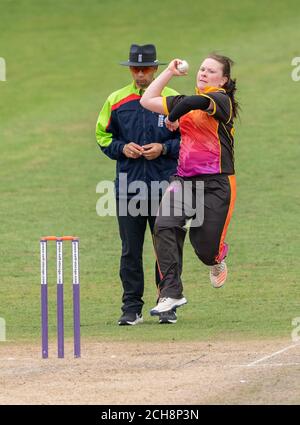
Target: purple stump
x: 60, y: 299
x: 76, y: 296
x: 76, y: 319
x: 44, y: 305
x: 44, y: 298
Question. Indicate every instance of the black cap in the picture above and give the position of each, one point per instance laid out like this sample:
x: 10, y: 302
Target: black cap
x: 142, y: 56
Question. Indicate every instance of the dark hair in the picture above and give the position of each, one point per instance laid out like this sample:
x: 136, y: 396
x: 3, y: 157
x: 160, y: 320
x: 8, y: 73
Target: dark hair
x: 230, y: 85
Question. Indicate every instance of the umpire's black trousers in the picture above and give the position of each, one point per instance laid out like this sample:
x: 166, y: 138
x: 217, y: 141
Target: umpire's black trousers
x: 132, y: 232
x: 207, y: 237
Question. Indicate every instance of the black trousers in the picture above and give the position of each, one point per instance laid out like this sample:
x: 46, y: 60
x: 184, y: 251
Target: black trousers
x: 211, y: 199
x: 132, y: 233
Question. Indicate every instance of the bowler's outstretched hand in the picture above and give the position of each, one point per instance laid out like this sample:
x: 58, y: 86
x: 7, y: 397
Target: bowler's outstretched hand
x: 172, y: 126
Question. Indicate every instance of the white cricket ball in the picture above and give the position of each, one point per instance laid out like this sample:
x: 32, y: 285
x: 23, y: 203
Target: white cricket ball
x: 183, y: 66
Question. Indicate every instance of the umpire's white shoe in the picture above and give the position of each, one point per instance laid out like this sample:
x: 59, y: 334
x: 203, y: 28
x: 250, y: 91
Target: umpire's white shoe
x: 218, y: 274
x: 166, y: 304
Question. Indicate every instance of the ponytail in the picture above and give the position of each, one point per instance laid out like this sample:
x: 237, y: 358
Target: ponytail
x: 230, y: 85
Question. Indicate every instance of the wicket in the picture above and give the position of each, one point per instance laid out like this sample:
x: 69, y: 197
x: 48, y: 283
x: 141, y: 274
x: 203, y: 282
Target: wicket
x: 60, y: 294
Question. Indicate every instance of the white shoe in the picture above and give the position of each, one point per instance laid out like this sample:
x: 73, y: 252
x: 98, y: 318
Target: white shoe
x: 218, y: 274
x: 167, y: 304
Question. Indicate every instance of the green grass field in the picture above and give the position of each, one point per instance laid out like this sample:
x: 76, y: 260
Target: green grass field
x: 62, y: 62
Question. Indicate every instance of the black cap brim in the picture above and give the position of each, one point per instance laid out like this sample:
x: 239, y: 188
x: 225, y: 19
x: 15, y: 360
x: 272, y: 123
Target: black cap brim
x: 141, y: 64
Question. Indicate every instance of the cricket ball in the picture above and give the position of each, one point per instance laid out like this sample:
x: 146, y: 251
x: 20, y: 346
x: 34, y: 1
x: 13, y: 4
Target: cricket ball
x: 183, y: 66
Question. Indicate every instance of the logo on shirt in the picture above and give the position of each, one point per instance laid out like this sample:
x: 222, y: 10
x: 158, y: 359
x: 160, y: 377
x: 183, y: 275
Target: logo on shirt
x: 160, y: 122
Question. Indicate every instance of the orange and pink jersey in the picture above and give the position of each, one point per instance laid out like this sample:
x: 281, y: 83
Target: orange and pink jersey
x: 207, y: 145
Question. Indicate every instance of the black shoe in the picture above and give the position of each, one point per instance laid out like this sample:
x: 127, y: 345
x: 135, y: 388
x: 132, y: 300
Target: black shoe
x: 168, y: 317
x: 130, y: 319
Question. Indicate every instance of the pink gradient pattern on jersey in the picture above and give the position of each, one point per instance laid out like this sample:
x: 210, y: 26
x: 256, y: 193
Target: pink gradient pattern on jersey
x: 200, y: 150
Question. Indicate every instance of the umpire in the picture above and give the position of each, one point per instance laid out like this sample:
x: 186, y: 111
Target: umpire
x: 145, y: 151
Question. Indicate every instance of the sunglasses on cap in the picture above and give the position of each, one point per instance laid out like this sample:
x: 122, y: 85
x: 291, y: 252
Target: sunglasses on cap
x: 144, y: 69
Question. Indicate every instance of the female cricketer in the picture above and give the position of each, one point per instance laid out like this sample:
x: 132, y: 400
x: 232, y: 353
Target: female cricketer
x: 206, y: 164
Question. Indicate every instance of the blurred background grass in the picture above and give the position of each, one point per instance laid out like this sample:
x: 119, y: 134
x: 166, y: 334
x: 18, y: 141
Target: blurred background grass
x: 62, y: 62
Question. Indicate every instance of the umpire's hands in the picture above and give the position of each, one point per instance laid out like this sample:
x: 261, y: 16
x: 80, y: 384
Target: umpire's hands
x: 152, y: 150
x: 132, y: 150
